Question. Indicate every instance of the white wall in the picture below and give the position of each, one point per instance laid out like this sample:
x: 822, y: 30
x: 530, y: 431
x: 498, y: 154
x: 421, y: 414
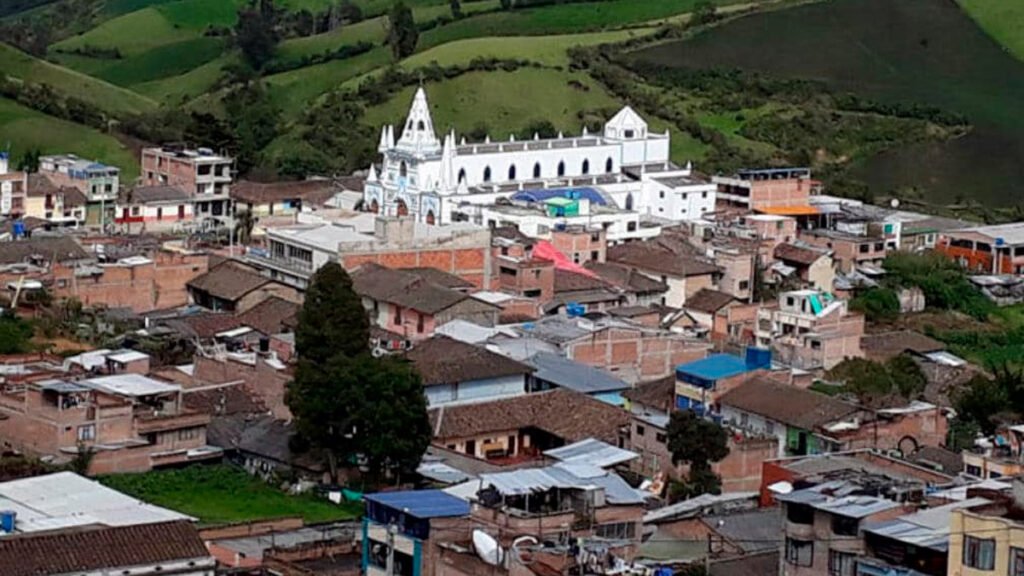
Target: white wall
x: 756, y: 424
x: 476, y: 390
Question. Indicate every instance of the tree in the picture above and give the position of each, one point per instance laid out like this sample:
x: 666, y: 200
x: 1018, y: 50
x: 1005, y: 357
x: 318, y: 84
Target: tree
x: 456, y: 7
x: 29, y: 161
x: 704, y: 12
x: 506, y: 4
x: 256, y: 33
x: 14, y: 334
x: 698, y: 443
x: 345, y: 402
x: 402, y: 32
x: 244, y: 223
x: 877, y: 304
x: 874, y: 382
x: 332, y: 320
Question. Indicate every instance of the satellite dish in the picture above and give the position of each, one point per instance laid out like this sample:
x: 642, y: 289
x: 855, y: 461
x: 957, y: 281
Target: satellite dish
x: 487, y: 548
x: 781, y: 488
x: 895, y: 202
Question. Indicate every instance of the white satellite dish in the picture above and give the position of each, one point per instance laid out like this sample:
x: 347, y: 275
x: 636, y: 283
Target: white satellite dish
x: 895, y: 202
x: 487, y: 548
x: 781, y: 488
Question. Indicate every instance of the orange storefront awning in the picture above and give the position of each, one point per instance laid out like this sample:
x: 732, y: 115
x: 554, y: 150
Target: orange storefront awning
x: 789, y: 210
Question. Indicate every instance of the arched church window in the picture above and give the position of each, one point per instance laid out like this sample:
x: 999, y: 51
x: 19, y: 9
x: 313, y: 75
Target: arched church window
x: 430, y: 217
x: 629, y: 201
x: 403, y: 169
x: 512, y: 172
x: 608, y: 165
x: 536, y: 170
x: 586, y: 167
x: 421, y: 126
x: 561, y: 168
x: 462, y: 175
x: 487, y: 174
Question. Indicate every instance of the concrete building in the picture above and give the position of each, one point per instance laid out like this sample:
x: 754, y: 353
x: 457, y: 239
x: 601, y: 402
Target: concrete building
x: 99, y: 183
x: 822, y: 531
x: 478, y: 375
x: 412, y: 303
x: 988, y: 539
x: 402, y: 531
x: 159, y: 207
x: 13, y: 189
x: 132, y: 422
x: 776, y: 191
x: 1001, y: 456
x: 425, y: 177
x: 540, y: 218
x: 206, y: 177
x: 701, y: 383
x: 995, y: 249
x: 60, y: 205
x: 811, y: 266
x: 684, y: 274
x: 850, y: 251
x: 810, y: 330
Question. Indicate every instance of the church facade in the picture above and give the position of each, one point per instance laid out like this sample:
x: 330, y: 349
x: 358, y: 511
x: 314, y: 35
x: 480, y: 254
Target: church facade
x: 428, y: 178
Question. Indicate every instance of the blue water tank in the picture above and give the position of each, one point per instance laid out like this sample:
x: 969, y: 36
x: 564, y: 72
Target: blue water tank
x: 758, y: 358
x: 7, y: 518
x: 575, y: 310
x: 19, y: 229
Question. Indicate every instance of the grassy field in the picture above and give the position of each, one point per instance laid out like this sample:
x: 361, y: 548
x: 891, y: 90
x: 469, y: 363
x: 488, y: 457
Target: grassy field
x: 106, y: 96
x: 224, y: 494
x: 25, y: 129
x: 912, y: 51
x: 1004, y: 21
x: 294, y: 90
x: 504, y: 101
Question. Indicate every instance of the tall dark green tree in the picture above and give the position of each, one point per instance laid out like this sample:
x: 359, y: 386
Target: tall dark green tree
x: 333, y: 320
x: 256, y: 33
x: 402, y: 32
x: 29, y: 161
x: 345, y: 402
x: 456, y: 7
x: 698, y: 443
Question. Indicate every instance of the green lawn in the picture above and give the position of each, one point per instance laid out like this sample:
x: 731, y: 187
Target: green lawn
x: 224, y: 494
x: 26, y: 129
x: 1003, y: 20
x: 132, y: 33
x: 294, y: 90
x: 505, y: 101
x: 372, y: 30
x: 162, y: 62
x: 102, y: 94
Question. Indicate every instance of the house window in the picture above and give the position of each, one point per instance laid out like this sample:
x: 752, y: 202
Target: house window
x: 87, y: 432
x: 419, y: 324
x: 398, y: 316
x: 608, y: 165
x: 864, y: 248
x: 799, y: 514
x: 844, y: 526
x: 617, y: 531
x: 744, y: 284
x: 769, y: 427
x: 512, y: 172
x: 594, y: 255
x: 840, y: 563
x: 799, y: 552
x: 1016, y: 561
x: 661, y: 194
x: 661, y: 438
x: 630, y: 226
x: 979, y: 553
x: 744, y: 419
x: 640, y: 430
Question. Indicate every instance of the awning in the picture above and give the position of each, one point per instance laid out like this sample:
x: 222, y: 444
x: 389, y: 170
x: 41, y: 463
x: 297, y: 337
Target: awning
x: 789, y: 210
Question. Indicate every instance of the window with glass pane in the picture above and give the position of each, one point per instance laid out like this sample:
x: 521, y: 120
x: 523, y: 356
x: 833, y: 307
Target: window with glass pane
x: 799, y: 552
x: 979, y: 553
x: 1016, y: 561
x: 840, y: 563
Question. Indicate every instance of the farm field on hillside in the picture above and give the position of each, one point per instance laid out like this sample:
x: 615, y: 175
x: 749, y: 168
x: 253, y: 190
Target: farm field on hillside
x: 1004, y: 21
x: 106, y: 96
x: 25, y: 129
x: 865, y: 46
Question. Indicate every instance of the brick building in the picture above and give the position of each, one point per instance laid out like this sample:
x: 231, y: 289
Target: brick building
x: 234, y: 286
x: 684, y: 273
x: 810, y: 330
x: 132, y: 422
x: 780, y: 191
x: 849, y: 250
x: 206, y: 177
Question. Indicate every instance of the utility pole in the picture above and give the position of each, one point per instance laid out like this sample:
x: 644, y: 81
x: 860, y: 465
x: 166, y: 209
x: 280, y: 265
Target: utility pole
x: 390, y: 567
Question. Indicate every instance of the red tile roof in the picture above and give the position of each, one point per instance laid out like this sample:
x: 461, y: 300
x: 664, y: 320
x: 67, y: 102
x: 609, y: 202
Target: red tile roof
x: 442, y: 360
x: 93, y: 549
x: 569, y: 415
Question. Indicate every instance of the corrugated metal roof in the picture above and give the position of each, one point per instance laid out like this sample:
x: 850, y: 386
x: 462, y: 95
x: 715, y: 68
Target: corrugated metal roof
x: 566, y: 373
x: 592, y: 451
x: 564, y: 476
x: 856, y: 506
x: 715, y: 367
x: 422, y: 504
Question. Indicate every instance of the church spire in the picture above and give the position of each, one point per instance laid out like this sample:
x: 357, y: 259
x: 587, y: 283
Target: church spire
x: 418, y: 134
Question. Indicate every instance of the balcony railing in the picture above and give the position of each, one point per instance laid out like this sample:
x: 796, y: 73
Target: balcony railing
x: 162, y: 423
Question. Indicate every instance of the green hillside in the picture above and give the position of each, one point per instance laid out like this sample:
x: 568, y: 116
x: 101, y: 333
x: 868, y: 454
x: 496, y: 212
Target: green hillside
x: 1002, y: 20
x: 25, y: 129
x: 106, y: 96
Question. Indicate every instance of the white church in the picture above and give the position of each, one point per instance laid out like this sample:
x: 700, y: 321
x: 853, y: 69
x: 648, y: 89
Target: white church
x: 430, y: 179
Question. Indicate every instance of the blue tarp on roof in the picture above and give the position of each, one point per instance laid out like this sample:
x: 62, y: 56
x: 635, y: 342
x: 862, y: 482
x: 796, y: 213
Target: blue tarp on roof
x: 422, y: 504
x: 714, y: 367
x: 542, y: 194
